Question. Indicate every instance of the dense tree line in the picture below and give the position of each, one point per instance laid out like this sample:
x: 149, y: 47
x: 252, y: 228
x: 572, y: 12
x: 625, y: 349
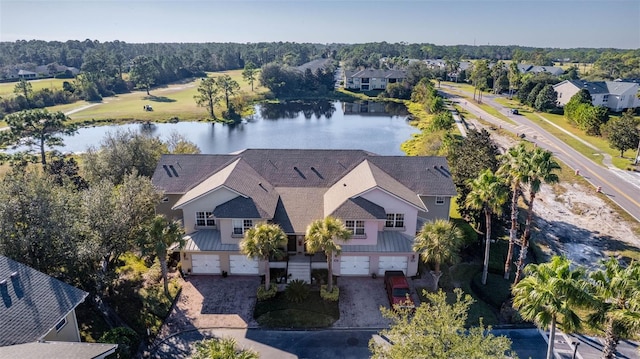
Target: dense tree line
x: 287, y: 81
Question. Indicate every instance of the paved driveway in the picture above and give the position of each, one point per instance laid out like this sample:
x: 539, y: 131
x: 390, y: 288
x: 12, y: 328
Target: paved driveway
x: 213, y: 302
x: 360, y: 302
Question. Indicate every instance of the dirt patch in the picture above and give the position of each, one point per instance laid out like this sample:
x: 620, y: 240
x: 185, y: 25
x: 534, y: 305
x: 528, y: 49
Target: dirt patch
x: 573, y: 220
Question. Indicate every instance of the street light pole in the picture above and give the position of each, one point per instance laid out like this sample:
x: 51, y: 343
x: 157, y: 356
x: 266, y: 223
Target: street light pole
x: 575, y: 348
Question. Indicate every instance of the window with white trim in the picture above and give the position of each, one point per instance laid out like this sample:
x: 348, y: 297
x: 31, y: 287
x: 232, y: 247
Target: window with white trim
x: 439, y: 200
x: 356, y: 227
x: 394, y: 220
x: 241, y: 225
x: 205, y: 219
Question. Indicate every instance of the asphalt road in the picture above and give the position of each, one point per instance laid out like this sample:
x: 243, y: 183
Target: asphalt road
x: 625, y: 193
x: 324, y: 344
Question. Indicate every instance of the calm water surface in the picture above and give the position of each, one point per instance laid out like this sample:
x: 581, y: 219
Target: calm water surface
x: 370, y: 126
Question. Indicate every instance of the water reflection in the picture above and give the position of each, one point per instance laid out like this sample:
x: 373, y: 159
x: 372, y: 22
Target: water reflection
x: 372, y: 108
x: 292, y: 109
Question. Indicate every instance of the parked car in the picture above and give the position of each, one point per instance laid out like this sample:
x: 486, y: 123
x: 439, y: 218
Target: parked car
x: 398, y: 290
x: 515, y: 111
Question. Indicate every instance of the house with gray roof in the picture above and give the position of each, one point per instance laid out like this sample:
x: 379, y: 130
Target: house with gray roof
x: 372, y: 79
x: 382, y: 200
x: 533, y: 69
x: 35, y: 306
x: 616, y: 95
x: 58, y: 350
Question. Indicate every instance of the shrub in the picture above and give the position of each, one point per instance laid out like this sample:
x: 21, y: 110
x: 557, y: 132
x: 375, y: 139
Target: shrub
x: 296, y: 291
x: 264, y: 294
x: 330, y: 296
x: 126, y: 338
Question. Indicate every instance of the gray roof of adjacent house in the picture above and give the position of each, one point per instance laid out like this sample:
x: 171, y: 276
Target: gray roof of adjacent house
x: 314, y: 65
x: 602, y: 87
x: 377, y: 73
x: 288, y: 186
x: 57, y: 350
x: 26, y: 72
x: 32, y: 302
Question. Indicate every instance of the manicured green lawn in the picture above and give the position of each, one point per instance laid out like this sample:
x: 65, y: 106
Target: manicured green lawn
x: 314, y: 312
x: 168, y: 101
x: 6, y: 88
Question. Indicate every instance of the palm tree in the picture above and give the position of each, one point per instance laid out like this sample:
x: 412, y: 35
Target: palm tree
x: 488, y: 193
x: 541, y: 167
x: 224, y: 348
x: 321, y: 236
x: 163, y: 234
x: 514, y: 169
x: 549, y: 294
x: 616, y: 290
x: 264, y: 241
x: 438, y: 242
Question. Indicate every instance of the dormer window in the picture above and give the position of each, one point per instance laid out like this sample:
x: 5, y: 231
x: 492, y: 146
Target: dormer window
x: 205, y: 219
x: 394, y: 220
x: 356, y: 227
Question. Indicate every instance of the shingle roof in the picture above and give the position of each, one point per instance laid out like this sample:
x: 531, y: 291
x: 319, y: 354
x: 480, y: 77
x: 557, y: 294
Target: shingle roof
x: 57, y: 350
x: 32, y: 302
x: 179, y: 173
x: 426, y: 176
x: 314, y: 65
x: 290, y: 185
x: 369, y: 73
x: 359, y: 208
x: 388, y: 242
x: 207, y: 240
x: 260, y: 197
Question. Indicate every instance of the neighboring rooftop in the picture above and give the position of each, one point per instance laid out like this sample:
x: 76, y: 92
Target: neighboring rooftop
x: 376, y: 73
x: 32, y: 302
x: 58, y: 350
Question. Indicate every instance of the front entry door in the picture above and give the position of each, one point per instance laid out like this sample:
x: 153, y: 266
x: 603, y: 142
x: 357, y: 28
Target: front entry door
x: 291, y: 244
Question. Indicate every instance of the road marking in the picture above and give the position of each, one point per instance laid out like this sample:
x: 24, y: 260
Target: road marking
x: 614, y: 188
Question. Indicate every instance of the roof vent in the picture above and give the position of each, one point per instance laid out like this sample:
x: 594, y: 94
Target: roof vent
x: 167, y: 170
x: 299, y: 172
x: 173, y: 170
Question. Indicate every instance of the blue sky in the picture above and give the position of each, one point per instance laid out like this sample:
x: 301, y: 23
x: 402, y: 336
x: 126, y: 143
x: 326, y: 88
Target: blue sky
x: 541, y: 23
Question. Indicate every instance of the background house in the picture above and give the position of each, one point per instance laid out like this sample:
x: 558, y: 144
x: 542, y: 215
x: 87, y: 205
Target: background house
x: 616, y: 95
x: 383, y: 200
x: 36, y: 306
x: 372, y: 79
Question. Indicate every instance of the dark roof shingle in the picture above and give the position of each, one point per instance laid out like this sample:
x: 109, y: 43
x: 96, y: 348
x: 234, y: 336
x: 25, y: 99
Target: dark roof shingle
x: 32, y: 302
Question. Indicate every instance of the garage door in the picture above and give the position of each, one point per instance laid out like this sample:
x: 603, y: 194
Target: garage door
x: 205, y: 264
x: 240, y: 264
x: 354, y: 265
x: 386, y: 263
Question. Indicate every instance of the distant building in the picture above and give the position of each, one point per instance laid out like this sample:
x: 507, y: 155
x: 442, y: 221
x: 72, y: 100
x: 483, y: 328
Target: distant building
x: 616, y: 95
x: 372, y: 79
x: 532, y: 69
x: 24, y: 74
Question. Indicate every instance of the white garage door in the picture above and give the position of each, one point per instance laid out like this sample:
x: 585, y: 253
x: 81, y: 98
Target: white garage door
x: 240, y: 264
x: 205, y: 264
x: 386, y: 263
x: 354, y: 265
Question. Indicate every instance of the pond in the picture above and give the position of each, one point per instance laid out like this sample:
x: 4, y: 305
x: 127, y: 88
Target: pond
x: 372, y: 126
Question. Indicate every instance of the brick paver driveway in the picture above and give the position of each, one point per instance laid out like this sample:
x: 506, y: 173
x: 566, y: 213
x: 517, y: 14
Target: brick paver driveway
x: 213, y: 302
x: 360, y: 302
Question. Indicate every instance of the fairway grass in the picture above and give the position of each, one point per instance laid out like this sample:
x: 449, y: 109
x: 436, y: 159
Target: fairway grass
x: 167, y: 101
x: 6, y: 88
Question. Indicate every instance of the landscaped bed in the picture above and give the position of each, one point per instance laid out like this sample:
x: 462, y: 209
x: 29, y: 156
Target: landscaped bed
x: 313, y: 312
